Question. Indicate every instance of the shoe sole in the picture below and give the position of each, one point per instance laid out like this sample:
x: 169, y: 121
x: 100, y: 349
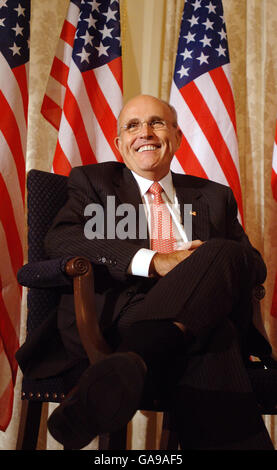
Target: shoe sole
x: 124, y: 373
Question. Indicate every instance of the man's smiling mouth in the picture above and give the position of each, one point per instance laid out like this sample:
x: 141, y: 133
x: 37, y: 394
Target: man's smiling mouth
x: 147, y: 148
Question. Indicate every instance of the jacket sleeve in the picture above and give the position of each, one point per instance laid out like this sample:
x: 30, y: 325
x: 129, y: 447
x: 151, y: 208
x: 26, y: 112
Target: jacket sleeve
x: 235, y: 231
x: 67, y: 237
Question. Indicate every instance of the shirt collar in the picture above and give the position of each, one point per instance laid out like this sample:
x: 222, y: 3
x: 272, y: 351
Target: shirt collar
x: 166, y: 183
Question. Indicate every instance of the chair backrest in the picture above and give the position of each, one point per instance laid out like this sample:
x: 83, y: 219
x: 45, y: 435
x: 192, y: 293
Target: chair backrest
x: 46, y: 194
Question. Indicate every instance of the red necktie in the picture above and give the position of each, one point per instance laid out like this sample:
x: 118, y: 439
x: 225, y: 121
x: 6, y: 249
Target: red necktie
x: 162, y: 238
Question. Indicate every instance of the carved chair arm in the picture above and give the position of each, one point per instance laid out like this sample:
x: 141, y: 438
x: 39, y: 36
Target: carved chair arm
x: 258, y: 292
x: 61, y: 272
x: 80, y: 269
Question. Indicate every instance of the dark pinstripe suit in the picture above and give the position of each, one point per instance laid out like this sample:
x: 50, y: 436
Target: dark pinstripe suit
x: 209, y: 292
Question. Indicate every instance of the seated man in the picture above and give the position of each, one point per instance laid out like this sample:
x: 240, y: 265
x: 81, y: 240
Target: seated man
x: 173, y: 292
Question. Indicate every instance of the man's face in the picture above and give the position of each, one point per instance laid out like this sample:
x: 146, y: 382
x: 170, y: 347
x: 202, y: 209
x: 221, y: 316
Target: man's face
x: 147, y: 151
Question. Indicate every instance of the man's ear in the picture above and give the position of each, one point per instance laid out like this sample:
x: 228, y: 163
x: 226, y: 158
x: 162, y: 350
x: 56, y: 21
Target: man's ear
x: 117, y: 143
x: 179, y: 135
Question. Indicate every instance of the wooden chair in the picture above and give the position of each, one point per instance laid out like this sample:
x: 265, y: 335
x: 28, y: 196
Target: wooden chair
x: 46, y: 280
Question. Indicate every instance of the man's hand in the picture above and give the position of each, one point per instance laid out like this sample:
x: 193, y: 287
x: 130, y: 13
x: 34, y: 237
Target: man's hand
x: 162, y: 263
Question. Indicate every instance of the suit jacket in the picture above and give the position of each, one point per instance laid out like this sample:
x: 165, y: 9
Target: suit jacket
x: 213, y: 215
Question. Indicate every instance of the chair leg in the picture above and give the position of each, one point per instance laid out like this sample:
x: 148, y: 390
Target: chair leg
x: 113, y: 441
x: 169, y: 437
x: 29, y: 425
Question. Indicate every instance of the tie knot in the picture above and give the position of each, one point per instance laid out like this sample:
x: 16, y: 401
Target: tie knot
x: 155, y: 188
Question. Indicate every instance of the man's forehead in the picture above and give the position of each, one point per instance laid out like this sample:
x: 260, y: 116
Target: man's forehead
x: 146, y: 107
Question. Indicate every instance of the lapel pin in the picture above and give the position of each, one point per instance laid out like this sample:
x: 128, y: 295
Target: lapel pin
x: 192, y: 213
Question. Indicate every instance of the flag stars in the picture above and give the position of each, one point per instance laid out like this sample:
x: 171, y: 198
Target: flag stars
x: 106, y: 32
x: 203, y: 59
x: 3, y: 3
x: 102, y: 50
x: 221, y: 51
x: 206, y: 41
x: 193, y: 21
x: 20, y: 10
x: 208, y: 24
x: 2, y: 22
x: 87, y: 38
x: 98, y: 34
x: 91, y: 21
x: 183, y: 72
x: 15, y: 49
x: 94, y: 5
x: 18, y: 30
x: 222, y: 34
x: 196, y: 4
x: 190, y: 37
x: 211, y: 7
x: 110, y: 15
x: 84, y: 55
x: 186, y: 54
x: 202, y: 41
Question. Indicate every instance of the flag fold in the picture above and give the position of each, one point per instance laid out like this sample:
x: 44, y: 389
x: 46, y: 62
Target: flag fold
x: 84, y: 92
x: 14, y: 61
x: 202, y: 94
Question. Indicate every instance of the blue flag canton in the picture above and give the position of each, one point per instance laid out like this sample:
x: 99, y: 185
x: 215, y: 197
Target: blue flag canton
x: 15, y: 31
x: 203, y: 40
x: 97, y: 40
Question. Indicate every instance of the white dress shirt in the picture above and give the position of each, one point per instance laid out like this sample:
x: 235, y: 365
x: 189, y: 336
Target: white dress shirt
x: 140, y: 263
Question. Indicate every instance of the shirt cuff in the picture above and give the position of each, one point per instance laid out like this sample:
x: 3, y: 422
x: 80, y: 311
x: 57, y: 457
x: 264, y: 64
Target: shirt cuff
x: 140, y: 263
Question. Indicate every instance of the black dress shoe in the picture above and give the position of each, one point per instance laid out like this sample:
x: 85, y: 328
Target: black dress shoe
x: 105, y: 399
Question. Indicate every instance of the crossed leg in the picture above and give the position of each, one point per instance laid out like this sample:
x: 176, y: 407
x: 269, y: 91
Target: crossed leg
x: 209, y: 295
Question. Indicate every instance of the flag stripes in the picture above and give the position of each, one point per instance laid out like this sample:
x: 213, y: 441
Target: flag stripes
x: 224, y: 89
x: 274, y: 168
x: 202, y: 95
x: 83, y: 99
x: 14, y: 71
x: 6, y: 388
x: 11, y: 132
x: 274, y: 193
x: 54, y: 98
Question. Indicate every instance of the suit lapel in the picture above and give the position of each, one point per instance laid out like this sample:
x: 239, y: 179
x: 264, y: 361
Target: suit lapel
x: 196, y: 214
x: 127, y: 192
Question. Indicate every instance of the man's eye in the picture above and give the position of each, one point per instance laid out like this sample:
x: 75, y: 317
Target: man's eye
x: 132, y: 125
x: 157, y: 123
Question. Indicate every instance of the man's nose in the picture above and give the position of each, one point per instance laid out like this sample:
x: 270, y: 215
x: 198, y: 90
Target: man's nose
x: 146, y: 129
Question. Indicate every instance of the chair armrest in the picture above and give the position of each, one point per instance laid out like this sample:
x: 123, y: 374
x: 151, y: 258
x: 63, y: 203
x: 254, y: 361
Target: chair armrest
x: 44, y: 274
x: 260, y: 335
x: 258, y: 293
x: 60, y: 272
x: 80, y: 269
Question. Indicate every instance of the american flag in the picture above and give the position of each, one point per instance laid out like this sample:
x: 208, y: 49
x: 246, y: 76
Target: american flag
x: 14, y: 57
x: 202, y: 94
x: 274, y: 168
x: 274, y: 192
x: 84, y: 92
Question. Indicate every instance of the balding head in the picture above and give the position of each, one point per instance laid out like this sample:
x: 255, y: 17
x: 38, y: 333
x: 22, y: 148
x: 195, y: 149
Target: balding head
x: 134, y: 99
x: 148, y: 136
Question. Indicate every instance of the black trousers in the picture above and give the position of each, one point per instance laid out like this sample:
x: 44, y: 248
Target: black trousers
x: 203, y: 373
